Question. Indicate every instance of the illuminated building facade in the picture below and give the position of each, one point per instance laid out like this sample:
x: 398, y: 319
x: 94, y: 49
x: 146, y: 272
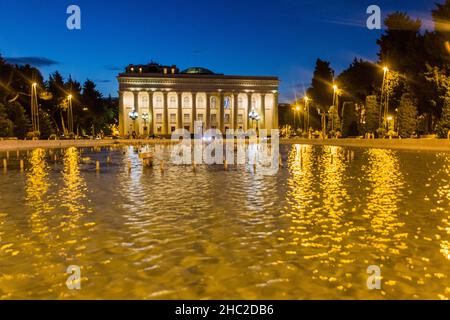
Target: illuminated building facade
x: 156, y: 100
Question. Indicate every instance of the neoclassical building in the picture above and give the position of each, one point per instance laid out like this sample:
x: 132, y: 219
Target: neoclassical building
x: 157, y: 99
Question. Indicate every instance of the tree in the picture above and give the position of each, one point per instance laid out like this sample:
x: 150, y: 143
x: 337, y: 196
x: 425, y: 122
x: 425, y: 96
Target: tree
x: 5, y: 123
x: 93, y: 101
x: 321, y: 90
x: 443, y: 126
x: 372, y: 114
x: 349, y: 120
x: 360, y: 79
x: 401, y: 46
x: 407, y: 115
x: 20, y: 121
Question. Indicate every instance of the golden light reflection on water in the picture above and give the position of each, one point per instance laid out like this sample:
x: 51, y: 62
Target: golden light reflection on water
x: 36, y: 190
x: 215, y: 233
x: 386, y: 182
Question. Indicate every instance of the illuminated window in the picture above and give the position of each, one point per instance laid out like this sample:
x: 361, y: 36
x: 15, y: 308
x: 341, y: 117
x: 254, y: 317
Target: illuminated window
x: 226, y: 118
x: 240, y: 102
x: 158, y: 102
x: 240, y: 118
x: 186, y: 117
x: 227, y: 103
x: 213, y: 102
x: 186, y: 102
x: 158, y: 117
x: 200, y: 101
x: 173, y: 117
x: 213, y: 118
x: 200, y: 117
x: 173, y: 101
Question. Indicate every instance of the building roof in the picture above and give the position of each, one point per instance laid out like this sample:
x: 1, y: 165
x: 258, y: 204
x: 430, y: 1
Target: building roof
x: 197, y: 70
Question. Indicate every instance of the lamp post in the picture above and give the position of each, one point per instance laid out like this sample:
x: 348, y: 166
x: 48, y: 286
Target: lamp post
x: 70, y: 114
x: 383, y: 106
x: 34, y: 108
x: 133, y: 116
x: 307, y: 112
x: 254, y: 116
x: 145, y: 117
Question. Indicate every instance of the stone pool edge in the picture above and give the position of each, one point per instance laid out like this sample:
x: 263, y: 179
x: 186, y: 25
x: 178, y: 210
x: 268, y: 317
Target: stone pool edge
x: 436, y: 145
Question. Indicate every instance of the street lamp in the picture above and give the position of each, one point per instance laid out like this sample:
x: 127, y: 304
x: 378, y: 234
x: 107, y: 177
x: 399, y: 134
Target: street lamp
x: 307, y: 112
x: 254, y: 116
x: 70, y: 114
x: 133, y: 116
x: 145, y: 117
x: 383, y: 107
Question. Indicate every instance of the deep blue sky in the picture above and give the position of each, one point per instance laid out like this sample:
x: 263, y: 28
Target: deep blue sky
x: 247, y: 37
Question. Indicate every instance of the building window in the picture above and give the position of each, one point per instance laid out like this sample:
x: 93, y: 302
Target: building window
x: 173, y: 102
x: 200, y: 101
x: 173, y: 117
x: 186, y: 101
x: 227, y: 118
x: 186, y: 117
x: 158, y: 117
x: 158, y: 102
x: 213, y: 102
x: 200, y: 117
x: 213, y: 118
x: 172, y: 129
x: 240, y: 102
x: 240, y: 118
x: 159, y: 129
x: 227, y: 103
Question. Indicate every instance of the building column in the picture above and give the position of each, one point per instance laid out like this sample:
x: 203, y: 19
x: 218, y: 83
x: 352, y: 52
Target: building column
x: 208, y: 112
x: 136, y: 108
x: 263, y: 111
x: 151, y: 117
x: 180, y: 110
x: 121, y: 115
x: 275, y: 111
x: 194, y: 111
x: 165, y: 129
x: 221, y: 112
x: 235, y: 110
x: 249, y: 109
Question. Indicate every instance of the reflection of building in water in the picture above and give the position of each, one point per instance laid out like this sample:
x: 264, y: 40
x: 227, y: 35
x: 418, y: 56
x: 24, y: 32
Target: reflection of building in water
x: 166, y: 99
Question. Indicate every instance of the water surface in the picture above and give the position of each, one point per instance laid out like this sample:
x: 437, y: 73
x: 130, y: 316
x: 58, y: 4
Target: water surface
x: 309, y: 232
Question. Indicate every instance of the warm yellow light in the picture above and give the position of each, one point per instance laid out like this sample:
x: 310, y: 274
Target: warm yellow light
x: 389, y: 118
x: 335, y: 87
x: 34, y: 84
x: 70, y: 96
x: 297, y: 108
x: 306, y: 99
x: 385, y: 69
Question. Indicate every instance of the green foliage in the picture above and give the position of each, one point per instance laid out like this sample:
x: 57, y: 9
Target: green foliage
x: 407, y: 116
x: 360, y: 79
x: 20, y: 121
x: 349, y: 120
x: 443, y: 126
x: 321, y: 90
x: 372, y: 114
x: 5, y: 123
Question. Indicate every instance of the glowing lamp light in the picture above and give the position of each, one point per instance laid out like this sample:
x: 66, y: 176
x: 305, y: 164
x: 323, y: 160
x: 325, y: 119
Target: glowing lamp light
x: 133, y: 115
